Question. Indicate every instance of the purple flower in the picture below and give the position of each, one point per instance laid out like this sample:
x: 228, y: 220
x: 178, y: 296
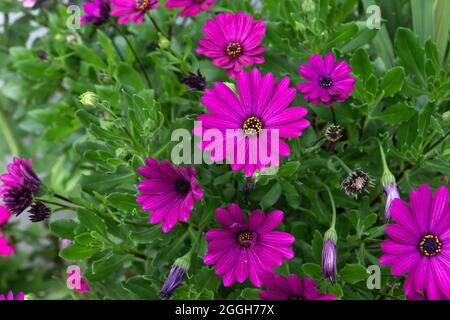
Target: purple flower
x: 419, y: 242
x: 6, y: 249
x: 329, y: 260
x: 10, y: 296
x: 194, y: 81
x: 327, y: 81
x: 96, y: 12
x: 38, y: 212
x: 176, y: 276
x: 391, y: 194
x: 168, y: 192
x: 233, y: 41
x: 260, y: 103
x: 191, y: 7
x: 242, y: 250
x: 132, y: 10
x: 20, y: 185
x: 290, y: 288
x: 4, y: 215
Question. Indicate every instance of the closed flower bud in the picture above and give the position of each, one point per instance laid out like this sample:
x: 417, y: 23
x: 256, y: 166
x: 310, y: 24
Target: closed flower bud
x: 391, y: 193
x: 176, y: 276
x: 329, y: 254
x: 308, y: 6
x: 89, y: 99
x: 194, y: 81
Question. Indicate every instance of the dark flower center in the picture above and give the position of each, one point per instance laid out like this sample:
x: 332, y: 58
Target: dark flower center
x: 252, y: 126
x: 182, y: 187
x: 245, y: 239
x: 141, y: 4
x: 325, y: 82
x: 234, y: 49
x: 430, y: 245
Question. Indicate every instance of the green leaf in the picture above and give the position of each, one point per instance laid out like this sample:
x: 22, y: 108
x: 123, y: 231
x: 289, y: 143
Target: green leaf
x: 141, y: 287
x: 128, y: 76
x: 312, y: 270
x: 398, y: 113
x: 353, y: 273
x: 123, y: 201
x: 288, y: 169
x: 441, y: 20
x: 361, y: 65
x: 64, y: 228
x: 92, y: 221
x: 392, y: 81
x: 107, y: 265
x: 77, y: 252
x: 422, y: 17
x: 410, y: 52
x: 345, y: 33
x: 146, y: 236
x: 271, y: 197
x: 90, y: 56
x: 107, y: 47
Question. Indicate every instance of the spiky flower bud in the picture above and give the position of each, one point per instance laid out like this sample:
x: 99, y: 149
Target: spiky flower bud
x: 89, y: 99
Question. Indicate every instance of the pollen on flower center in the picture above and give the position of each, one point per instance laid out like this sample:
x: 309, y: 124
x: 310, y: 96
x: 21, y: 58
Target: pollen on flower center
x: 430, y: 245
x: 325, y: 82
x: 234, y: 49
x: 141, y: 4
x: 182, y: 187
x: 245, y: 239
x: 252, y: 126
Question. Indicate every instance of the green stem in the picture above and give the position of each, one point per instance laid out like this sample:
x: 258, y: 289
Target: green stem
x: 8, y: 135
x: 382, y: 154
x: 138, y: 60
x: 333, y: 114
x: 347, y: 169
x: 55, y: 203
x: 155, y: 24
x: 333, y: 207
x: 438, y: 142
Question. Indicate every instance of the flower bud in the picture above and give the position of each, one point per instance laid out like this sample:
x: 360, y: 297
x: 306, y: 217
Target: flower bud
x: 176, y: 276
x: 89, y: 99
x: 329, y: 253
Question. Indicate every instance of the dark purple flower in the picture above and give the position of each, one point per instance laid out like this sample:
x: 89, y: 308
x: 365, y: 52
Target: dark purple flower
x: 329, y: 254
x: 96, y: 12
x: 38, y: 211
x: 290, y: 288
x: 194, y: 81
x: 20, y: 185
x: 176, y: 276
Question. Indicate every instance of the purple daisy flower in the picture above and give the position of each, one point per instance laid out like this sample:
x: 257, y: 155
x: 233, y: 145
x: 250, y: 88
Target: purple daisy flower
x: 419, y: 243
x: 191, y: 7
x: 233, y: 41
x: 327, y: 81
x: 259, y: 104
x: 10, y: 296
x: 132, y: 10
x: 167, y: 192
x: 20, y: 185
x: 96, y: 12
x: 242, y: 250
x: 290, y: 288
